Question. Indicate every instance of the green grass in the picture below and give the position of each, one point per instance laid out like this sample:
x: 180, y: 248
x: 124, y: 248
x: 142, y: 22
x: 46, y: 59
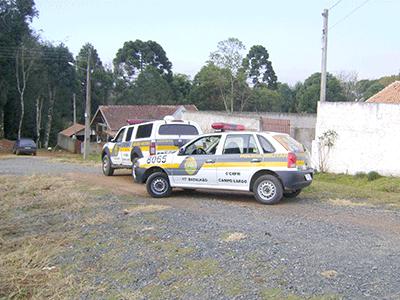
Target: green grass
x: 358, y: 188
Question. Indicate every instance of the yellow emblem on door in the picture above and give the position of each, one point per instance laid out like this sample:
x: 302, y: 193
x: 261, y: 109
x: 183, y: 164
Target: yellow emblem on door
x: 190, y: 165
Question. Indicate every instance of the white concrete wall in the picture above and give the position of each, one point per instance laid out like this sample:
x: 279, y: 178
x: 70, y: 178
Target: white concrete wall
x: 302, y: 126
x: 368, y: 136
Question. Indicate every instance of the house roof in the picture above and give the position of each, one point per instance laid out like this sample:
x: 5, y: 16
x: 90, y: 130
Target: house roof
x: 74, y: 129
x: 390, y: 94
x: 116, y: 116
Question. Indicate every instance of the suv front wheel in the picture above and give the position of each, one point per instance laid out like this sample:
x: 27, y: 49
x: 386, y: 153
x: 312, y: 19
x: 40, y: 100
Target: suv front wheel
x: 268, y: 189
x: 158, y: 185
x: 108, y: 170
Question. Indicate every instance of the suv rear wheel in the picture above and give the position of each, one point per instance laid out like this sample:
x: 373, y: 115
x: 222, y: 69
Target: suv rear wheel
x: 268, y: 189
x: 158, y: 185
x: 108, y: 170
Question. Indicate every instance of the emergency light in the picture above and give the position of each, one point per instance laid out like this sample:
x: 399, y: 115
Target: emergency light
x: 226, y: 126
x: 135, y: 121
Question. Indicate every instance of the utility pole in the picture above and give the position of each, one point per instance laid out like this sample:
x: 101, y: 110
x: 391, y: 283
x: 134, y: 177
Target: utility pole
x: 86, y: 143
x: 74, y: 105
x: 322, y: 96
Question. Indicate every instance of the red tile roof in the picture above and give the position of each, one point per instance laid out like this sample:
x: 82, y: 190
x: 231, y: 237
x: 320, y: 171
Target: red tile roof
x: 390, y: 94
x: 116, y: 116
x: 74, y: 129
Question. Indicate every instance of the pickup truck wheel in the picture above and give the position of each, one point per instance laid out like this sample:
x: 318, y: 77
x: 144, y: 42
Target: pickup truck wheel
x: 268, y: 189
x: 108, y: 170
x: 292, y: 194
x: 158, y: 185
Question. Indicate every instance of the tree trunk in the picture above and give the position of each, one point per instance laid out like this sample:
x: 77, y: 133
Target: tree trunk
x: 1, y: 122
x: 22, y: 113
x: 52, y: 95
x: 39, y: 106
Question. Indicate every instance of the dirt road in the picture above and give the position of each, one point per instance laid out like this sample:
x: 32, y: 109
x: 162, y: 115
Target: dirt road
x: 229, y: 246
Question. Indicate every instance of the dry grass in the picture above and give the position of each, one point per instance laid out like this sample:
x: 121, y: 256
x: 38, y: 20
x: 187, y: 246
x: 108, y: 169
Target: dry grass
x: 33, y: 231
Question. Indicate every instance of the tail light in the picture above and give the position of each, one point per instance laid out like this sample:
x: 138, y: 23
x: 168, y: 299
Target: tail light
x: 291, y: 160
x: 152, y: 148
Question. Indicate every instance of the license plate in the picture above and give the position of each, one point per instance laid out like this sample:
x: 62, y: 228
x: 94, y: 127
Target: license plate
x: 308, y: 177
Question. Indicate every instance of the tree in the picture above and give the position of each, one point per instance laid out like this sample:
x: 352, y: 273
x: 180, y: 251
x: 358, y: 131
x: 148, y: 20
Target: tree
x: 287, y: 96
x: 151, y: 88
x: 259, y: 68
x: 209, y: 89
x: 24, y: 61
x: 15, y: 17
x: 60, y: 80
x: 307, y: 94
x: 348, y: 81
x: 264, y: 99
x: 229, y: 57
x: 373, y: 89
x: 181, y: 87
x: 134, y: 57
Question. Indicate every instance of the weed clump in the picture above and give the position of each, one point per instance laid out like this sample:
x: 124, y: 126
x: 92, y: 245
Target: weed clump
x: 373, y: 176
x: 360, y: 175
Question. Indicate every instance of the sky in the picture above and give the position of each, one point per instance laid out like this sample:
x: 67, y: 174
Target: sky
x: 366, y: 42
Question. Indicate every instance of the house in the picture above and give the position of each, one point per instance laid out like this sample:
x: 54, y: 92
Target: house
x: 109, y: 118
x: 390, y: 94
x: 70, y: 139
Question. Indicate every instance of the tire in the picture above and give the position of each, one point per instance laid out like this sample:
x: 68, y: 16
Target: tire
x: 268, y: 189
x: 158, y: 185
x: 108, y: 170
x: 292, y: 194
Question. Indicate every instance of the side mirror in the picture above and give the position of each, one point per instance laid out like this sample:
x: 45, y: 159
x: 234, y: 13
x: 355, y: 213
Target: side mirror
x: 110, y: 139
x: 181, y: 150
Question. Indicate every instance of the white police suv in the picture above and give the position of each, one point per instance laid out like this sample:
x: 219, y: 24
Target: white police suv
x: 142, y: 138
x: 271, y: 165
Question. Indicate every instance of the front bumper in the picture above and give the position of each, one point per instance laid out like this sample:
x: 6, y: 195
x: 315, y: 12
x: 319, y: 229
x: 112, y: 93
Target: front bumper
x: 294, y: 180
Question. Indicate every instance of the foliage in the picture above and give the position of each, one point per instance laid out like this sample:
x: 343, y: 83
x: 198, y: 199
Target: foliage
x: 308, y: 93
x: 135, y: 56
x: 151, y: 88
x: 259, y: 67
x: 373, y: 176
x: 325, y: 143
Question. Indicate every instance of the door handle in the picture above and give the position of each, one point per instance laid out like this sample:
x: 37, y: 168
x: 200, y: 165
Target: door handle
x: 210, y: 161
x: 256, y: 160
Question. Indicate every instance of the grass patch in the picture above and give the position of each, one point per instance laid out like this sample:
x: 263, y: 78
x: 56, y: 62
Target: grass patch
x: 347, y: 189
x: 66, y: 157
x: 39, y: 219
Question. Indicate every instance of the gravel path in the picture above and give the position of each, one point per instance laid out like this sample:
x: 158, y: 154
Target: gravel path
x: 208, y: 245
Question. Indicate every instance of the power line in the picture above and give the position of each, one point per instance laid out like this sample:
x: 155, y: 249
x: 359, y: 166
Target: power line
x: 350, y: 13
x: 335, y: 4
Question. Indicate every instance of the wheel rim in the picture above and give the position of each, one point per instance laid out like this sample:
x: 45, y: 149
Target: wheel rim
x: 105, y: 164
x: 266, y: 190
x: 159, y: 186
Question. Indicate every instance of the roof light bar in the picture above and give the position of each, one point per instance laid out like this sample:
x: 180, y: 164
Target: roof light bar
x: 226, y: 126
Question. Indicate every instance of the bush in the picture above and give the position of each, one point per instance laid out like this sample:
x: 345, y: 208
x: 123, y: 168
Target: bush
x: 373, y: 176
x: 360, y: 175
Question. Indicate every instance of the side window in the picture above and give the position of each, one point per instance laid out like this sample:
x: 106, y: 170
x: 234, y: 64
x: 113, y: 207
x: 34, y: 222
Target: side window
x: 240, y: 144
x: 120, y: 135
x: 144, y: 131
x: 205, y: 145
x: 129, y: 134
x: 265, y: 145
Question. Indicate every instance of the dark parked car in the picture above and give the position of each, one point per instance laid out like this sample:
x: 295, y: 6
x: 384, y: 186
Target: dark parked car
x: 25, y: 146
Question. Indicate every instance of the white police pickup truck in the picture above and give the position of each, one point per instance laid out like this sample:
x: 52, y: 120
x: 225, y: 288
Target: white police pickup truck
x: 271, y: 165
